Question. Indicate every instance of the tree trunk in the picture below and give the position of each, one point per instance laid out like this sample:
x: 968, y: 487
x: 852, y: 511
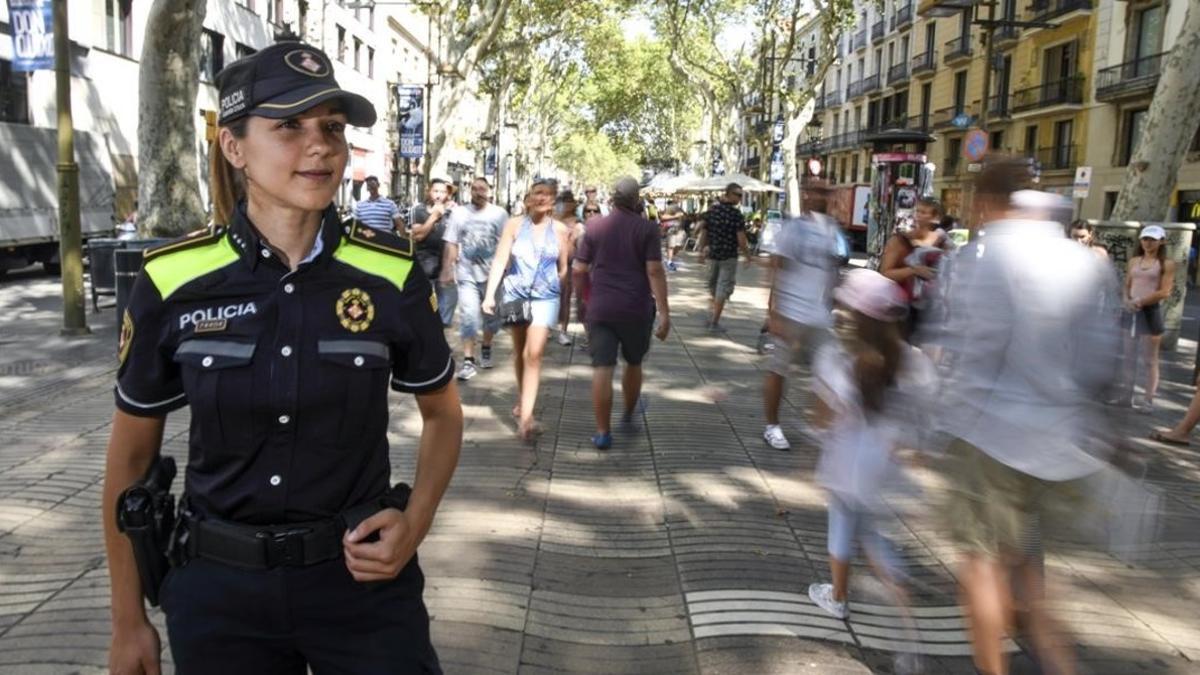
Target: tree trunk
x: 1170, y: 126
x: 169, y: 202
x: 791, y: 169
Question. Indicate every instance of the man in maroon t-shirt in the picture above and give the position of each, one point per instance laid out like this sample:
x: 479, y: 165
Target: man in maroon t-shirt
x: 621, y: 253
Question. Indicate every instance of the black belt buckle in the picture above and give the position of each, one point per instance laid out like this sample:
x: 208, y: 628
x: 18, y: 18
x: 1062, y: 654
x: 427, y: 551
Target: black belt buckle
x: 283, y: 547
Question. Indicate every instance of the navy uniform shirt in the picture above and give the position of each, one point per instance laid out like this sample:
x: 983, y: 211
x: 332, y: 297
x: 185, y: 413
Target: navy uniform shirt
x: 286, y: 372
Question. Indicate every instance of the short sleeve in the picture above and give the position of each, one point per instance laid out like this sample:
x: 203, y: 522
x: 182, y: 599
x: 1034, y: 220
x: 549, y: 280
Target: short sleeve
x: 148, y: 379
x: 422, y: 360
x: 395, y: 211
x: 452, y: 226
x: 652, y: 249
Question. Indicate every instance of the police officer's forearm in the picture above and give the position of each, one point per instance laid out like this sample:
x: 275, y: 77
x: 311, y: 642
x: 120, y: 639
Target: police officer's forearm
x: 437, y: 455
x: 134, y: 443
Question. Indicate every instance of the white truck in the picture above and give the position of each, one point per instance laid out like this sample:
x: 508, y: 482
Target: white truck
x: 29, y: 230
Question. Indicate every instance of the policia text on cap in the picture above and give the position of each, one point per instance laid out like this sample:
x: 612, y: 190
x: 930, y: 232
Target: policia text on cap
x: 282, y: 329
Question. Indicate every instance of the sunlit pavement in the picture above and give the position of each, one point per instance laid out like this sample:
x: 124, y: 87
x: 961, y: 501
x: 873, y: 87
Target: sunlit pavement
x: 685, y: 548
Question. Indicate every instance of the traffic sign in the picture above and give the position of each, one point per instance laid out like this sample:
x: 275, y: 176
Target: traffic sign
x: 1083, y: 182
x: 975, y: 145
x: 962, y: 120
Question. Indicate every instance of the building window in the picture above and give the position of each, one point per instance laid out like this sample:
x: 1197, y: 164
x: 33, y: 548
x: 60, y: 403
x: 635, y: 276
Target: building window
x: 242, y: 50
x: 997, y: 140
x: 357, y: 54
x: 341, y: 44
x: 371, y: 16
x: 926, y: 103
x: 370, y: 62
x: 14, y: 95
x: 212, y: 55
x: 960, y: 91
x: 1146, y: 38
x: 854, y: 168
x: 1031, y: 140
x: 1061, y: 63
x: 953, y: 155
x: 1135, y: 122
x: 118, y: 24
x: 1110, y: 203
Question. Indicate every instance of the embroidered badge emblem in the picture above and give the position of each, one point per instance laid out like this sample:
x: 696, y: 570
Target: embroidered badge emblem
x: 433, y: 301
x: 354, y: 310
x: 305, y: 62
x: 126, y: 339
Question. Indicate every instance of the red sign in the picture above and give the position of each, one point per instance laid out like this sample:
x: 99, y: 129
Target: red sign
x: 975, y: 146
x: 897, y: 157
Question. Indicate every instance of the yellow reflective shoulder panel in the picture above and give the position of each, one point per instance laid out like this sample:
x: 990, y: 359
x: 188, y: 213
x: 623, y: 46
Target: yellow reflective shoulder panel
x: 170, y: 270
x: 390, y: 266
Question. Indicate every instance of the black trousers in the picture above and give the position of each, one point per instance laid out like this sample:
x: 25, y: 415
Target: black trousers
x: 228, y: 621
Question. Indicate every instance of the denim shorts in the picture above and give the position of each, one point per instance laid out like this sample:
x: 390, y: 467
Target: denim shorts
x: 471, y: 318
x: 544, y: 310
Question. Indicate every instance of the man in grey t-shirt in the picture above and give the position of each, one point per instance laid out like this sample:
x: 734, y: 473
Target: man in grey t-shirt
x: 472, y: 233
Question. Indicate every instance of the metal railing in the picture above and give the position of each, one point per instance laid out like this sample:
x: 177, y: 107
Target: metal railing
x: 1057, y: 158
x: 904, y: 16
x: 924, y: 63
x: 944, y: 118
x: 877, y: 30
x: 833, y: 99
x: 1137, y: 75
x: 1059, y: 92
x: 870, y: 83
x: 897, y: 73
x: 958, y: 48
x: 855, y: 89
x: 1044, y: 10
x: 998, y: 107
x: 1006, y: 34
x: 860, y: 40
x: 812, y: 147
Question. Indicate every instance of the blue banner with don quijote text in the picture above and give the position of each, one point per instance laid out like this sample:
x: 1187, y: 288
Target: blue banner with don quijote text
x: 31, y: 25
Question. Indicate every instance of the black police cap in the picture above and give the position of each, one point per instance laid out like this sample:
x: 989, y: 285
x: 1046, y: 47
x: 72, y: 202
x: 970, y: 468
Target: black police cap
x: 283, y: 80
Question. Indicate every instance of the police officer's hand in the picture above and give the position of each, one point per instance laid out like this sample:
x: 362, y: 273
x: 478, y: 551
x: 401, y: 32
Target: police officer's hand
x: 134, y: 650
x: 381, y: 560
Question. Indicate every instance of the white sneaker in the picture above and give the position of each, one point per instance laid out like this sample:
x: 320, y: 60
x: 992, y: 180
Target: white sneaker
x: 485, y: 357
x: 773, y: 435
x: 467, y: 371
x: 822, y: 594
x: 564, y: 339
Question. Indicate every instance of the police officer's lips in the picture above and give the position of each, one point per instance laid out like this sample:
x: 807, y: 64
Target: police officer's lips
x: 316, y: 175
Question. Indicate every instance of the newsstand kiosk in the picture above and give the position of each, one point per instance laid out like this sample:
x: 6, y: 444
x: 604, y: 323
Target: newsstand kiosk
x: 900, y: 175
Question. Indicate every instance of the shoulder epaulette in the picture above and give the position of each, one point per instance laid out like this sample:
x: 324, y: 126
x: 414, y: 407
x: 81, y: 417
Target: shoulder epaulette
x: 378, y: 240
x: 206, y: 236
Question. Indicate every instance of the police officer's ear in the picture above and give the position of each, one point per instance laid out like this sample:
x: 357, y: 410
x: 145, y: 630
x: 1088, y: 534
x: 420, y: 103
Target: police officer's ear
x: 231, y: 147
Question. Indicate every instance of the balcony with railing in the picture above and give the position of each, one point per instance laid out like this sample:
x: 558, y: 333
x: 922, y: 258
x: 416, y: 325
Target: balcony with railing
x: 877, y: 30
x: 870, y: 83
x: 860, y: 40
x: 818, y: 103
x: 833, y: 99
x: 1057, y: 158
x: 849, y: 139
x: 958, y: 49
x: 897, y: 74
x: 1006, y: 35
x: 1132, y: 78
x: 854, y: 90
x: 1067, y: 91
x: 945, y: 118
x: 1046, y: 10
x: 903, y: 17
x: 812, y: 147
x: 924, y: 64
x: 999, y: 107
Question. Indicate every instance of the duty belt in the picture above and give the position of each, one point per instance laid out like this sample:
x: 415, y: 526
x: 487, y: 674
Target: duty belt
x: 269, y: 546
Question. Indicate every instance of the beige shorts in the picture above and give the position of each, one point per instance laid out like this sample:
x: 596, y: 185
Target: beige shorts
x: 797, y: 346
x: 722, y: 277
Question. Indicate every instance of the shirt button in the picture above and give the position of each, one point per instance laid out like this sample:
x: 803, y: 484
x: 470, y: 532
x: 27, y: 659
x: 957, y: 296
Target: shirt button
x: 266, y: 253
x: 276, y: 480
x: 358, y: 361
x: 284, y: 419
x: 286, y: 351
x: 288, y: 288
x: 206, y: 361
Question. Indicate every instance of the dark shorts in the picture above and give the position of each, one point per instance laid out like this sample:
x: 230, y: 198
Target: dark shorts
x: 1147, y: 321
x: 289, y: 620
x: 632, y: 337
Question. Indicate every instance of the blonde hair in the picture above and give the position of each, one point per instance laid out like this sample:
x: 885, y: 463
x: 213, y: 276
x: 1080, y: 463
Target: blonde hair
x: 227, y: 185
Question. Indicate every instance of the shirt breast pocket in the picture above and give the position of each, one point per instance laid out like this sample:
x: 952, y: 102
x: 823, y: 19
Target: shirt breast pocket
x: 354, y: 377
x: 219, y: 380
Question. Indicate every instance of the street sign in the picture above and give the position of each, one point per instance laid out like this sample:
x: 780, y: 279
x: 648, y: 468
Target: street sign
x: 1083, y: 182
x: 32, y: 26
x: 962, y: 120
x: 974, y: 167
x: 976, y: 145
x: 777, y: 165
x: 410, y: 103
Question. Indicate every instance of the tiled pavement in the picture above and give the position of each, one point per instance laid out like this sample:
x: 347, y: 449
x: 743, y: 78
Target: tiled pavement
x: 684, y: 549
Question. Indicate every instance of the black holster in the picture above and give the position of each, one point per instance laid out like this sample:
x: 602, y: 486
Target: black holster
x: 146, y: 514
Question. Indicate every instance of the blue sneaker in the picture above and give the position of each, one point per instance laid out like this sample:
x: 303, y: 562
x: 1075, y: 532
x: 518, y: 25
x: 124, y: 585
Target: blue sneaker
x: 602, y: 441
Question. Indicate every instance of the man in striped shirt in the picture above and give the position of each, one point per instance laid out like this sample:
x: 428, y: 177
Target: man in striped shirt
x: 378, y: 212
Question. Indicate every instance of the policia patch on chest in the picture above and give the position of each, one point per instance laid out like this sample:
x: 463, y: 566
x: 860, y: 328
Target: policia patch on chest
x: 355, y: 310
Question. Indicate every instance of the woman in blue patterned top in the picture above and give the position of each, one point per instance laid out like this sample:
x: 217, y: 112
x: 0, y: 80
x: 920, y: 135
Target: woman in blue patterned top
x: 531, y: 258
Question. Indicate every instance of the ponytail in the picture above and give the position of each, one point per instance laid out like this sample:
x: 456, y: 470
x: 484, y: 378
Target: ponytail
x: 226, y: 184
x: 879, y: 352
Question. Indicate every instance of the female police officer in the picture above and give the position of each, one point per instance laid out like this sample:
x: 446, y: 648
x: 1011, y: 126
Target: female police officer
x: 281, y: 329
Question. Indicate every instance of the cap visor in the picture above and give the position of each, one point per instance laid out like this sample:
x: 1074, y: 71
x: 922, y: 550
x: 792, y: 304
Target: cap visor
x: 358, y: 110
